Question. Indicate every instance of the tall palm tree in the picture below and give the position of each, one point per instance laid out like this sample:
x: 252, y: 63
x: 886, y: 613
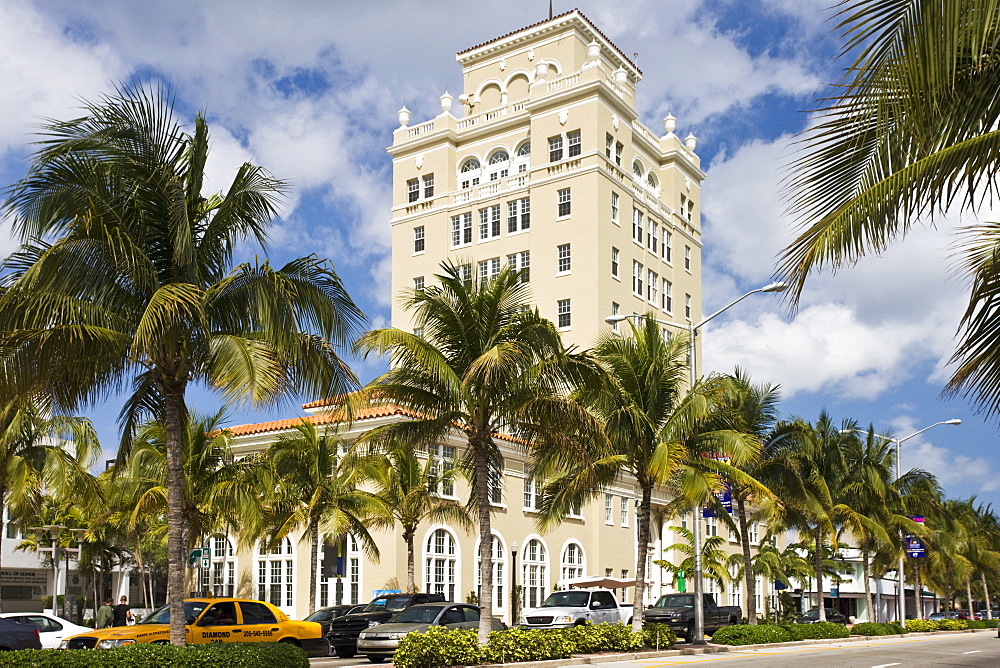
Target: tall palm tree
x: 910, y: 132
x: 39, y: 453
x: 714, y: 562
x: 485, y: 364
x: 404, y: 485
x: 125, y: 278
x: 314, y: 487
x: 656, y: 431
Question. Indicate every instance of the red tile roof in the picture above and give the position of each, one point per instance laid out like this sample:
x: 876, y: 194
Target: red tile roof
x: 558, y: 16
x: 320, y: 419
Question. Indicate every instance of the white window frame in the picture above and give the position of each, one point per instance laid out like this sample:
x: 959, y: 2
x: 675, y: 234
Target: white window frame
x: 572, y: 561
x: 687, y: 259
x: 574, y: 143
x: 564, y: 199
x: 275, y: 572
x: 564, y: 314
x: 461, y: 229
x: 489, y: 223
x: 418, y: 283
x: 637, y: 277
x: 419, y: 240
x: 521, y: 261
x: 652, y: 236
x: 556, y: 148
x: 637, y: 228
x: 441, y: 457
x: 564, y: 259
x: 441, y: 563
x: 615, y: 266
x: 667, y: 296
x: 428, y: 186
x: 412, y: 190
x: 625, y: 510
x: 687, y: 306
x: 615, y: 209
x: 667, y: 247
x: 615, y: 310
x: 534, y: 573
x: 609, y: 509
x: 652, y: 284
x: 518, y: 215
x: 499, y: 567
x: 489, y: 269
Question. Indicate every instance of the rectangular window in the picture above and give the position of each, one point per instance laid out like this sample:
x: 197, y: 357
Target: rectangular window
x: 520, y: 262
x: 668, y: 296
x: 712, y: 526
x: 687, y: 258
x: 461, y: 229
x: 734, y: 589
x: 614, y: 262
x: 418, y: 239
x: 624, y: 507
x: 652, y: 236
x: 563, y: 318
x: 608, y: 510
x: 412, y: 190
x: 574, y: 146
x: 652, y: 281
x: 562, y: 258
x: 418, y: 283
x: 488, y: 269
x: 555, y: 148
x: 614, y: 208
x: 637, y: 226
x: 615, y: 309
x: 564, y: 202
x: 609, y: 145
x: 530, y: 491
x: 518, y: 215
x: 496, y: 492
x: 752, y: 532
x: 442, y: 461
x: 429, y: 185
x: 418, y: 332
x: 637, y: 278
x: 667, y: 247
x: 624, y: 590
x: 618, y: 153
x: 687, y: 306
x: 489, y: 222
x: 690, y: 210
x: 465, y: 273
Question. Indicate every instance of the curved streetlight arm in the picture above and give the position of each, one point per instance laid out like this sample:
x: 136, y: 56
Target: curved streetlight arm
x: 770, y: 287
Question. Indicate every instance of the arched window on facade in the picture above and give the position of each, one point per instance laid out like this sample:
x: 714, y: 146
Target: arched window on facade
x: 637, y: 169
x: 219, y: 578
x: 499, y: 165
x: 534, y: 575
x: 522, y: 158
x: 469, y: 173
x: 346, y: 589
x: 276, y: 575
x: 499, y: 570
x: 441, y: 564
x: 571, y: 563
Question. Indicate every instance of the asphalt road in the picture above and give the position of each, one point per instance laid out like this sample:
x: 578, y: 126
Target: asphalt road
x: 968, y: 650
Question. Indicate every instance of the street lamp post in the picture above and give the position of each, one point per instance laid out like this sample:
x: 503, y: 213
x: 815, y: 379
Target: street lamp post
x: 901, y: 598
x: 513, y: 584
x: 692, y: 329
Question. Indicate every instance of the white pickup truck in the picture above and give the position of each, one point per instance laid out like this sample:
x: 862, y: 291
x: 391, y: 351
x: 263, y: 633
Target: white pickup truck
x: 573, y: 607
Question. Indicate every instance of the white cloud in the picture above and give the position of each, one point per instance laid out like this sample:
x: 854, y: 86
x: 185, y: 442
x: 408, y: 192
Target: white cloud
x: 955, y: 471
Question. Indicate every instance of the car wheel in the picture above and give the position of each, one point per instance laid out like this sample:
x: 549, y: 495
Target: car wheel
x: 629, y: 623
x: 689, y: 633
x: 579, y: 622
x: 375, y: 659
x: 291, y: 641
x: 344, y: 652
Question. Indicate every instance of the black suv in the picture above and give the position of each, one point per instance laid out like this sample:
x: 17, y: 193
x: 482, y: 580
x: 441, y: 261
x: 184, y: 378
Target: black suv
x: 344, y: 631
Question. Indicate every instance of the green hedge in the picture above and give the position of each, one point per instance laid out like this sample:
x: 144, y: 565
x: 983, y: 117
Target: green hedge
x: 443, y: 647
x: 877, y: 629
x: 990, y: 623
x: 920, y: 625
x: 745, y: 634
x: 245, y: 655
x: 952, y: 624
x: 817, y: 630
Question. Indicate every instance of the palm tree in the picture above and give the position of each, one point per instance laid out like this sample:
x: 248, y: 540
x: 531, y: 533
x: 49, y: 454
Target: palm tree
x: 655, y: 431
x: 773, y: 564
x: 485, y: 364
x: 314, y: 487
x: 41, y: 453
x: 714, y: 562
x: 404, y: 486
x: 910, y: 132
x: 125, y: 278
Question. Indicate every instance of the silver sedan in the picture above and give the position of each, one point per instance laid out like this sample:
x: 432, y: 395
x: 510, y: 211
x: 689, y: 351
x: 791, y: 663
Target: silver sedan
x: 379, y: 642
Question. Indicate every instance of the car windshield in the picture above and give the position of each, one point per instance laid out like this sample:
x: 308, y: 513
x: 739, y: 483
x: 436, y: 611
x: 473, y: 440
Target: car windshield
x: 162, y: 615
x: 387, y: 603
x: 418, y: 614
x: 675, y: 601
x: 567, y: 599
x: 320, y: 616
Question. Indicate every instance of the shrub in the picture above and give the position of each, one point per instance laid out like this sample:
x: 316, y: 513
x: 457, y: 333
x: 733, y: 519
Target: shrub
x: 658, y: 636
x: 952, y: 624
x: 438, y: 646
x: 976, y: 624
x: 817, y: 630
x: 744, y: 634
x: 514, y: 645
x: 245, y: 655
x: 990, y: 623
x: 876, y: 629
x: 921, y: 625
x: 592, y: 638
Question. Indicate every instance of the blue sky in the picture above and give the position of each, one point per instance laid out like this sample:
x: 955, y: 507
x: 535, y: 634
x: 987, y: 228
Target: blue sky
x: 310, y: 91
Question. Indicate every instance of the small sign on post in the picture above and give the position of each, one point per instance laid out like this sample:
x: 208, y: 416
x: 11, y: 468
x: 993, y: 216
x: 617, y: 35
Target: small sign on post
x: 195, y: 556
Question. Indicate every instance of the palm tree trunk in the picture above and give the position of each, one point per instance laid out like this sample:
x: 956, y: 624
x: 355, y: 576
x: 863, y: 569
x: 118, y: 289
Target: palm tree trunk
x: 986, y: 593
x: 142, y: 571
x: 748, y: 575
x: 174, y: 428
x: 920, y: 590
x: 968, y: 595
x: 640, y: 556
x: 866, y: 574
x: 313, y: 561
x: 410, y: 574
x: 819, y: 572
x: 3, y: 497
x: 482, y: 495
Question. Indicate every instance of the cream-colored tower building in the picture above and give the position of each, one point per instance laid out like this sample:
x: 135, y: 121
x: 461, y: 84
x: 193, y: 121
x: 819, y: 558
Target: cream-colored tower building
x: 542, y: 163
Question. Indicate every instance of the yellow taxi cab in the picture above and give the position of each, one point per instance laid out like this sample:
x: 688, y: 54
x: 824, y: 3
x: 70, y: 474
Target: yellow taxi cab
x: 212, y: 620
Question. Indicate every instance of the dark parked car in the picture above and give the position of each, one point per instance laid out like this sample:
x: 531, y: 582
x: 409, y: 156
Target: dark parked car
x: 832, y: 615
x: 937, y: 616
x: 325, y: 615
x: 344, y: 631
x: 14, y: 636
x: 677, y: 610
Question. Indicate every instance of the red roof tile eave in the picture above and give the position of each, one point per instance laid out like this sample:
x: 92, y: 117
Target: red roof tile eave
x: 319, y: 419
x: 558, y: 16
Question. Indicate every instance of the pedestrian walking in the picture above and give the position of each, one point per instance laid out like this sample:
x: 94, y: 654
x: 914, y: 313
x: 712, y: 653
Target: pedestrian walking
x: 105, y: 615
x: 123, y: 613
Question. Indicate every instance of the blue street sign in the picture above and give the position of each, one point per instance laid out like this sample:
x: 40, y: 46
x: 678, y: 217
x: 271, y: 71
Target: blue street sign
x: 915, y: 547
x: 725, y: 497
x: 780, y: 585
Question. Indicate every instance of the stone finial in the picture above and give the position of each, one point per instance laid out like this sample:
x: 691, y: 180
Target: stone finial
x: 593, y: 50
x: 404, y: 116
x: 690, y: 141
x: 621, y: 76
x: 446, y: 101
x: 669, y: 123
x: 541, y: 71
